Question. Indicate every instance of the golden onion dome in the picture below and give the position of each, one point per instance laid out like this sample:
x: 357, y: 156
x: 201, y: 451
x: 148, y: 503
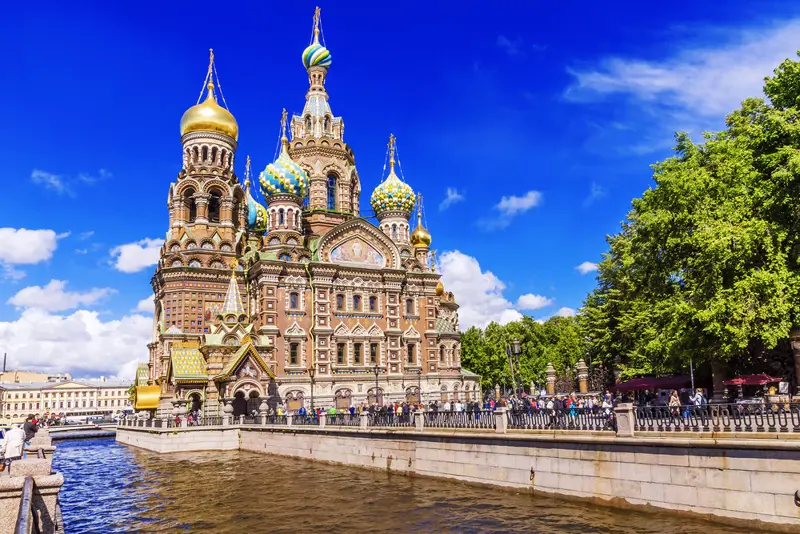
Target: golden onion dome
x: 208, y: 116
x: 439, y: 289
x: 420, y: 237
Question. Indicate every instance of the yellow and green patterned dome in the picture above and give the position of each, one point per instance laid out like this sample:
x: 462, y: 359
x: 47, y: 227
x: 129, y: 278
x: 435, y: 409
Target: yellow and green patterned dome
x: 393, y: 195
x: 284, y: 176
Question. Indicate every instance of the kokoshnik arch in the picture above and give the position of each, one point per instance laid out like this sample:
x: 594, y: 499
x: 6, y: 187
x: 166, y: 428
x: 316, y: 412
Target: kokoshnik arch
x: 300, y: 297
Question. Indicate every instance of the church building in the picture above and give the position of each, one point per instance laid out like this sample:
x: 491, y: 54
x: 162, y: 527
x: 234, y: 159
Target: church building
x: 297, y: 295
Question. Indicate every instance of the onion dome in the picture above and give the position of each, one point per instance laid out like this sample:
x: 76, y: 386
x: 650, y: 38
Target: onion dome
x: 256, y: 212
x: 316, y: 55
x: 420, y: 237
x: 209, y: 116
x: 284, y: 176
x: 392, y: 194
x: 439, y: 289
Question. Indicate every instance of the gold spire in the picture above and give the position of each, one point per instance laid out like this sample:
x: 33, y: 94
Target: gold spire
x: 284, y: 139
x: 316, y: 25
x: 208, y: 115
x: 420, y: 237
x: 247, y: 175
x: 433, y: 261
x: 392, y: 142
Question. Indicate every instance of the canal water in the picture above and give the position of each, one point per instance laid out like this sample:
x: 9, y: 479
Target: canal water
x: 112, y: 488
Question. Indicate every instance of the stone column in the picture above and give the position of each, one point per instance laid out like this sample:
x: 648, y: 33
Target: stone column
x: 794, y: 338
x: 227, y: 412
x: 263, y: 409
x: 625, y: 419
x: 419, y: 420
x: 551, y: 379
x: 364, y: 421
x: 289, y: 419
x: 201, y: 204
x: 500, y: 420
x: 323, y: 418
x: 582, y: 370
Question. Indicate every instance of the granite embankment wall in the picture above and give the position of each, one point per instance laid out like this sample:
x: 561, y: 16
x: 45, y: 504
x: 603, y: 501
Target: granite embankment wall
x: 732, y: 480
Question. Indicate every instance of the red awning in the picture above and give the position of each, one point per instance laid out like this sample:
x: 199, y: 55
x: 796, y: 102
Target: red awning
x: 752, y: 380
x: 667, y: 382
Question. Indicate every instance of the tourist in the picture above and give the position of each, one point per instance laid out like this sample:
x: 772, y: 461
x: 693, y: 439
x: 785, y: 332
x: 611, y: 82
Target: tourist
x: 13, y: 446
x: 30, y: 429
x: 674, y: 403
x: 446, y: 407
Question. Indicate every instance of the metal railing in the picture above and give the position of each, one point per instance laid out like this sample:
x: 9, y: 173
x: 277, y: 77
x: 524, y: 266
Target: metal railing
x: 460, y: 419
x: 543, y: 419
x: 343, y: 419
x: 305, y: 420
x: 26, y: 518
x: 391, y: 419
x: 718, y: 418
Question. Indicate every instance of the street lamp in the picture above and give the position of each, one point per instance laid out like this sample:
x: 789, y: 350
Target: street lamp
x: 516, y: 350
x: 377, y: 370
x: 311, y: 372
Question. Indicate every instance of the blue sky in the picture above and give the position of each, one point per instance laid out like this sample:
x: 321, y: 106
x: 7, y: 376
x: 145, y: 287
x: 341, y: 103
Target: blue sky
x: 540, y: 121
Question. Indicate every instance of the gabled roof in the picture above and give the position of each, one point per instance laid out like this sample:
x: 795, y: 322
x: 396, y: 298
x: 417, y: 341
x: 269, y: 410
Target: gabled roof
x: 247, y: 349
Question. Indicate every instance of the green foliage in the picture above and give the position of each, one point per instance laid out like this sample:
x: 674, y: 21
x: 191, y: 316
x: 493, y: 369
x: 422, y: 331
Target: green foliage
x: 558, y: 341
x: 706, y: 264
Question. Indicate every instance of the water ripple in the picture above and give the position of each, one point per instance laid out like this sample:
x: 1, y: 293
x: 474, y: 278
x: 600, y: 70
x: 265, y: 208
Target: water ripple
x: 111, y: 488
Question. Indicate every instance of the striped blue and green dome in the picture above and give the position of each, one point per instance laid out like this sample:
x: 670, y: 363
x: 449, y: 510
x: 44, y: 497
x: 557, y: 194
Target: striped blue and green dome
x: 284, y: 176
x: 256, y: 214
x: 316, y: 55
x: 393, y: 195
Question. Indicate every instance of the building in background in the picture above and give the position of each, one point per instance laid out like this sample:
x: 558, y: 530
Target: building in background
x: 72, y: 398
x: 298, y: 297
x: 21, y: 377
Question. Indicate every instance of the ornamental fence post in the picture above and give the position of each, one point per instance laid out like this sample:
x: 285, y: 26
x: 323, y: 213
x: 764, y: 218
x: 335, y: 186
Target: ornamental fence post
x: 500, y: 420
x: 419, y: 420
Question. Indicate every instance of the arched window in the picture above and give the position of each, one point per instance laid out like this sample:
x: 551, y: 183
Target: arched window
x: 357, y: 353
x: 340, y: 353
x: 294, y: 301
x: 331, y: 192
x: 213, y: 207
x: 196, y: 155
x: 340, y: 302
x: 214, y: 154
x: 190, y: 203
x: 373, y: 353
x: 224, y: 158
x: 205, y: 153
x: 394, y: 231
x: 326, y: 124
x: 441, y: 353
x: 297, y: 220
x: 356, y: 302
x: 373, y: 304
x: 409, y: 307
x: 281, y: 217
x: 308, y: 125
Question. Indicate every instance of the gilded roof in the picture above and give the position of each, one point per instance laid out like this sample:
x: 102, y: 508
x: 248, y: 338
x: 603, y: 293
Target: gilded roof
x: 188, y: 364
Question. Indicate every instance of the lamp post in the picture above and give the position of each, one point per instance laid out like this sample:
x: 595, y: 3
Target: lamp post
x: 419, y: 386
x: 311, y: 372
x: 376, y: 370
x: 516, y: 350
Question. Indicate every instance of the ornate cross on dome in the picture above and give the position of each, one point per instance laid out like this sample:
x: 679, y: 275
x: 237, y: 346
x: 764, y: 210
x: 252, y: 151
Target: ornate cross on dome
x: 316, y: 24
x: 392, y: 142
x: 247, y: 175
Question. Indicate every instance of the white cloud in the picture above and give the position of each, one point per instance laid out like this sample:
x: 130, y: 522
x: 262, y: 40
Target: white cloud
x: 147, y: 306
x: 85, y: 235
x: 80, y: 343
x: 87, y: 178
x: 133, y: 257
x: 513, y: 205
x: 81, y: 251
x: 451, y: 197
x: 596, y: 192
x: 565, y: 312
x: 51, y: 180
x: 512, y: 48
x: 698, y: 81
x: 530, y: 301
x: 478, y: 293
x: 20, y: 246
x: 53, y: 297
x: 586, y: 267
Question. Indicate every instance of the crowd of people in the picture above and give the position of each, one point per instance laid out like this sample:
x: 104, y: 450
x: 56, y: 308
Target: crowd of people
x: 12, y: 446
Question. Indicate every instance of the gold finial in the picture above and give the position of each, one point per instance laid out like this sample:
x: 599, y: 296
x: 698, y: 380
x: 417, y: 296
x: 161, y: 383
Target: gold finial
x: 433, y: 261
x: 210, y: 85
x: 234, y: 264
x: 316, y: 25
x: 284, y: 140
x: 247, y: 175
x: 419, y: 209
x: 392, y: 142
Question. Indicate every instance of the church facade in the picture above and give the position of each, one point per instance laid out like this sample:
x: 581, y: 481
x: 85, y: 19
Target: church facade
x: 296, y: 296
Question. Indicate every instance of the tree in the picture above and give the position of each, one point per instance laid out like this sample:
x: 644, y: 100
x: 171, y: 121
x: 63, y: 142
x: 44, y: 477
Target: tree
x: 706, y: 264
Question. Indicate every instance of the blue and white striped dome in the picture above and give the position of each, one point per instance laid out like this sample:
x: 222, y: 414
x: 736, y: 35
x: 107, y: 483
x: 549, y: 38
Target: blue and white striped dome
x: 256, y: 214
x: 284, y: 176
x: 316, y: 55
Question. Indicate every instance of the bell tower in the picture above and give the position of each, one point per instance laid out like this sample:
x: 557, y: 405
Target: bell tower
x: 318, y: 146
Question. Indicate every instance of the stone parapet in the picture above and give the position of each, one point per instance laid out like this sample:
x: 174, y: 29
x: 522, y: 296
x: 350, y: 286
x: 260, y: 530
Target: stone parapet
x: 44, y: 498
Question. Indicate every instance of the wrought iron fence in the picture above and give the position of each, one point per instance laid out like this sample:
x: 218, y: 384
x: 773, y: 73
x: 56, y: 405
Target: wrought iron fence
x: 391, y: 419
x: 460, y: 419
x: 588, y: 420
x: 305, y: 420
x: 275, y: 419
x: 719, y: 418
x: 343, y: 419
